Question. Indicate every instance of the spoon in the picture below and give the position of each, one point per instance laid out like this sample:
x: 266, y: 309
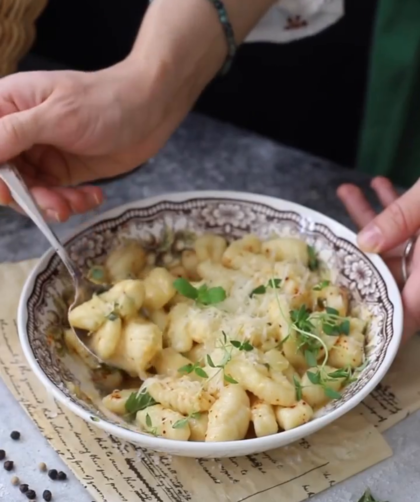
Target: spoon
x: 84, y: 289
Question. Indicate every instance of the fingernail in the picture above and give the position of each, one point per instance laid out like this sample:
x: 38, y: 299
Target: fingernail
x: 95, y: 199
x: 370, y: 239
x: 52, y: 215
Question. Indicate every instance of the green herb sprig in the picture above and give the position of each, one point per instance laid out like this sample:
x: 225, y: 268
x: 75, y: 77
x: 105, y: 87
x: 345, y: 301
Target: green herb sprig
x: 150, y: 428
x: 227, y: 346
x: 138, y: 401
x: 179, y: 424
x: 321, y: 285
x: 313, y: 259
x: 202, y: 295
x: 261, y: 290
x: 193, y: 368
x: 368, y: 497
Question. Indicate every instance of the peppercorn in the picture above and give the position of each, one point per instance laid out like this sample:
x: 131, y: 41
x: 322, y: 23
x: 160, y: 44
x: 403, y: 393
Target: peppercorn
x: 15, y: 435
x: 2, y: 454
x: 52, y: 474
x: 62, y: 476
x: 31, y: 495
x: 8, y: 465
x: 42, y: 467
x: 15, y: 480
x: 47, y: 495
x: 24, y: 488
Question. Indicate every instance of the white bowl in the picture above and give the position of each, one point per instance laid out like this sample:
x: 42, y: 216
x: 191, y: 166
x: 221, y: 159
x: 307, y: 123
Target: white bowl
x: 168, y: 221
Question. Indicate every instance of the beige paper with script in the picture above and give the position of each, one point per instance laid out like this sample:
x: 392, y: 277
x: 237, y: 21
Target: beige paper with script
x: 114, y: 471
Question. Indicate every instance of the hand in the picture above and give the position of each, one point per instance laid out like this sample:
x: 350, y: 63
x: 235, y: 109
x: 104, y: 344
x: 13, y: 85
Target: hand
x: 387, y: 233
x: 64, y: 128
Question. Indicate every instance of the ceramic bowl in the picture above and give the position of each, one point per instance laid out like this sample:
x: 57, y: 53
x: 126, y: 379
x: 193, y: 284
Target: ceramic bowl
x: 167, y: 224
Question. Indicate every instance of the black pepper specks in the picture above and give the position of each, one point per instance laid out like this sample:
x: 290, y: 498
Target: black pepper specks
x: 15, y: 435
x: 31, y: 494
x: 47, y: 495
x: 62, y: 476
x: 52, y: 474
x: 8, y: 465
x: 2, y: 454
x: 23, y: 487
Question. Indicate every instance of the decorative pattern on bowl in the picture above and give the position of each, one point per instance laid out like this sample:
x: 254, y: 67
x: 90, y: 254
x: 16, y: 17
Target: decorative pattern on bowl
x: 166, y: 228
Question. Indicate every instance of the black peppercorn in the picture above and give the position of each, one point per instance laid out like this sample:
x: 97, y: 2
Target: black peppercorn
x: 2, y: 454
x: 62, y: 476
x: 31, y: 495
x: 8, y: 465
x: 15, y: 435
x: 52, y: 474
x: 23, y: 487
x: 47, y: 495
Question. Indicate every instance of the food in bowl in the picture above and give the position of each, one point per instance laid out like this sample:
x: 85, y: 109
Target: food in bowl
x: 165, y: 228
x: 233, y: 340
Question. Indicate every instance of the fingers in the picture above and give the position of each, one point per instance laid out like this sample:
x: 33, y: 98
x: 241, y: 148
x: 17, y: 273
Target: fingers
x: 59, y: 204
x: 399, y: 221
x: 356, y: 204
x: 384, y: 190
x: 18, y: 132
x: 411, y: 303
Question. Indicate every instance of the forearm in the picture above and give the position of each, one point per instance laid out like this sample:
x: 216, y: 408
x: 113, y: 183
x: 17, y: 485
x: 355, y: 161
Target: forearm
x: 183, y: 40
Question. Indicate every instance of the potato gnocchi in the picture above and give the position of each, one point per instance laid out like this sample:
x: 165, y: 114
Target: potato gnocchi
x: 230, y: 341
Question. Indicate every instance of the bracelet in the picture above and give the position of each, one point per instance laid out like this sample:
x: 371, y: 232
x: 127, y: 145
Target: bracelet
x: 230, y: 36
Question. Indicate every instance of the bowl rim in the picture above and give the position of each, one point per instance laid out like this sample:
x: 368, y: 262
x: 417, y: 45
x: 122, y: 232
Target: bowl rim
x: 240, y: 447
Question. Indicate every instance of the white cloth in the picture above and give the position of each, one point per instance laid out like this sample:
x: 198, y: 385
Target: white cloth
x: 291, y: 20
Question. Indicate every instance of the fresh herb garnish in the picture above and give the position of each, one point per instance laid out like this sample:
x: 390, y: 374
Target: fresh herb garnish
x: 320, y: 378
x: 311, y: 358
x: 179, y: 424
x: 321, y: 285
x: 313, y: 260
x: 203, y: 294
x: 193, y: 368
x: 139, y: 401
x: 273, y: 283
x: 298, y: 388
x: 149, y: 424
x: 227, y: 346
x: 243, y: 346
x: 229, y: 379
x: 368, y: 497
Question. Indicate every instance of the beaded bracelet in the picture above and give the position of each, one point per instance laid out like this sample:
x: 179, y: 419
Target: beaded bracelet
x: 230, y: 36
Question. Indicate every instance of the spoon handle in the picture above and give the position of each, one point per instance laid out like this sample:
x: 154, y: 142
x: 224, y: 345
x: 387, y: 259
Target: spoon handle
x: 11, y: 176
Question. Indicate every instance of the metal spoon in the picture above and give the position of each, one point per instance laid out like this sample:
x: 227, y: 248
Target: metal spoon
x: 84, y: 289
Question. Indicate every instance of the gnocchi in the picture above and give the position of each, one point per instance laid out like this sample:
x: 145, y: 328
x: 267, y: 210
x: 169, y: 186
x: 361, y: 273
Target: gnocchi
x: 225, y: 341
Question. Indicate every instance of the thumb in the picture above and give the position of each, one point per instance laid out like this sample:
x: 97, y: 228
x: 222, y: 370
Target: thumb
x: 18, y: 132
x: 397, y: 223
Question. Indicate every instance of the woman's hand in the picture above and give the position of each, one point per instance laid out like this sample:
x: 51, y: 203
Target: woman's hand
x: 65, y: 128
x: 387, y: 233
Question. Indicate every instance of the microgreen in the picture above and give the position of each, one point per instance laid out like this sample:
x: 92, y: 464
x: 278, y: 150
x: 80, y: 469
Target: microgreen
x: 298, y: 388
x: 273, y: 283
x: 138, y: 401
x: 149, y: 424
x: 368, y: 497
x: 203, y: 295
x: 193, y: 368
x: 243, y: 346
x: 321, y: 285
x: 179, y: 424
x: 313, y: 259
x: 311, y: 358
x: 320, y: 378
